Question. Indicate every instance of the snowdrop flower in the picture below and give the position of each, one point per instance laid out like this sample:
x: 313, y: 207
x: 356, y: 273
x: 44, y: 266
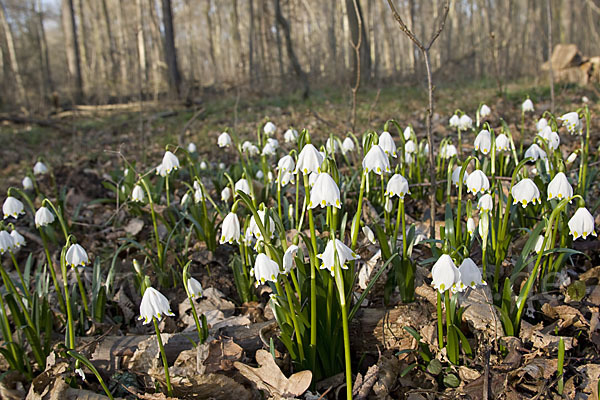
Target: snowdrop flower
x: 18, y: 239
x: 154, y: 305
x: 454, y: 121
x: 448, y: 151
x: 286, y: 164
x: 185, y: 199
x: 470, y: 225
x: 76, y: 256
x: 309, y: 160
x: 137, y: 194
x: 581, y: 224
x: 559, y: 187
x: 285, y: 178
x: 389, y: 206
x: 445, y: 274
x: 571, y: 122
x: 39, y: 168
x: 194, y: 288
x: 291, y: 135
x: 539, y: 243
x: 12, y: 207
x: 224, y: 140
x: 222, y: 165
x: 470, y: 275
x: 269, y: 128
x: 332, y: 145
x: 410, y: 147
x: 169, y: 163
x: 407, y: 133
x: 376, y: 160
x: 230, y: 229
x: 260, y: 174
x: 387, y: 144
x: 485, y: 203
x: 265, y: 269
x: 347, y: 145
x: 191, y: 148
x: 270, y: 147
x: 43, y: 217
x: 484, y: 111
x: 483, y: 141
x: 243, y: 186
x: 551, y: 137
x: 525, y: 192
x: 203, y: 165
x: 6, y: 242
x: 312, y: 178
x: 246, y: 146
x: 288, y: 258
x: 535, y: 152
x: 344, y: 254
x: 253, y: 226
x: 456, y: 176
x: 527, y: 106
x: 325, y: 192
x: 477, y: 182
x: 27, y: 183
x: 541, y: 124
x: 408, y: 158
x: 225, y: 194
x: 502, y: 142
x: 426, y: 149
x: 572, y: 157
x: 368, y: 232
x: 484, y: 225
x: 465, y: 122
x: 397, y: 186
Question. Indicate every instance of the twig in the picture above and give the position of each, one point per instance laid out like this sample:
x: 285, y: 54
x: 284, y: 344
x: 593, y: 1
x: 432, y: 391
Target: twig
x: 356, y: 48
x: 373, y: 105
x: 188, y: 124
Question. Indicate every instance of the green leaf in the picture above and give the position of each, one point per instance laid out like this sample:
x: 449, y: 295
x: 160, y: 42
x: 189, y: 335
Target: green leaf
x: 434, y: 367
x: 576, y: 290
x: 451, y: 380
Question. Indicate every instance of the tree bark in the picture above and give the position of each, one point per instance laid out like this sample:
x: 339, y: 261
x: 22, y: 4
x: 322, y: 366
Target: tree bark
x: 158, y: 76
x: 12, y: 55
x: 141, y: 43
x: 251, y: 71
x: 111, y: 41
x: 72, y: 49
x: 170, y: 50
x: 365, y: 52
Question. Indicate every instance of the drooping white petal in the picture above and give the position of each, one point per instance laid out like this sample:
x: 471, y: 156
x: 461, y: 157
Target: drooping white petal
x: 43, y: 217
x: 325, y: 192
x: 309, y: 160
x: 376, y: 161
x: 559, y: 187
x: 154, y: 305
x: 230, y: 229
x: 344, y: 254
x: 477, y: 182
x: 525, y: 192
x: 581, y: 224
x: 12, y: 207
x: 470, y: 275
x: 397, y: 186
x: 76, y: 256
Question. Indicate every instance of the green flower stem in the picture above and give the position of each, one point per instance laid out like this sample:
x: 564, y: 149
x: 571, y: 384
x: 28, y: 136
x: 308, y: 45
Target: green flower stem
x: 356, y: 221
x: 153, y: 214
x: 164, y: 358
x: 82, y: 291
x: 313, y: 280
x: 294, y: 319
x: 63, y: 225
x: 70, y: 340
x: 6, y: 331
x: 440, y: 322
x: 11, y: 287
x: 296, y: 209
x: 192, y: 304
x: 279, y: 196
x: 461, y: 176
x: 585, y: 144
x: 449, y: 319
x: 167, y: 190
x: 401, y: 217
x: 347, y: 358
x: 459, y: 146
x: 25, y: 288
x: 522, y: 131
x: 61, y: 300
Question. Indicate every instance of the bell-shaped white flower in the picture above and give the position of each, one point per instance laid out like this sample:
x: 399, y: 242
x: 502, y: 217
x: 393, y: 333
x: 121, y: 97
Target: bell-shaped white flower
x: 448, y: 151
x: 154, y: 305
x: 485, y: 203
x: 484, y: 111
x: 185, y: 200
x: 169, y: 163
x: 39, y: 168
x: 539, y: 243
x: 325, y: 192
x: 525, y: 192
x: 551, y: 137
x: 43, y: 217
x: 483, y: 141
x: 254, y: 229
x: 397, y: 186
x: 454, y: 121
x: 445, y: 274
x: 137, y: 194
x: 243, y: 186
x: 12, y: 207
x: 27, y: 183
x: 203, y: 165
x: 6, y: 242
x: 224, y: 140
x: 386, y: 142
x: 571, y: 122
x: 259, y: 174
x: 347, y: 145
x: 502, y: 142
x: 76, y: 256
x: 477, y: 182
x: 344, y: 254
x: 534, y: 151
x: 572, y: 157
x: 312, y: 178
x: 527, y: 106
x: 456, y: 176
x: 286, y: 164
x: 269, y: 150
x: 225, y: 194
x: 541, y: 124
x: 410, y: 147
x: 559, y: 187
x: 332, y: 145
x: 407, y: 133
x: 376, y: 161
x: 265, y: 269
x: 286, y: 178
x: 230, y: 229
x: 465, y: 122
x: 194, y: 288
x: 18, y: 239
x: 309, y: 160
x: 246, y: 145
x: 269, y: 128
x: 368, y: 232
x: 470, y: 225
x: 581, y: 224
x: 484, y: 225
x: 191, y: 147
x: 290, y: 136
x: 288, y: 258
x: 408, y: 158
x: 388, y: 206
x: 470, y: 275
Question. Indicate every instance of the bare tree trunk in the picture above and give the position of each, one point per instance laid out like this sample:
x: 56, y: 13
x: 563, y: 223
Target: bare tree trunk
x: 237, y: 41
x: 365, y: 52
x: 40, y: 37
x: 72, y: 48
x: 141, y: 43
x: 170, y: 51
x: 122, y: 49
x: 158, y: 76
x: 279, y: 51
x: 550, y: 67
x: 211, y: 42
x: 111, y: 41
x: 82, y: 40
x: 12, y: 54
x: 251, y: 71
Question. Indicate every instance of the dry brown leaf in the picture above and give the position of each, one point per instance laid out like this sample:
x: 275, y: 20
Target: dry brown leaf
x: 568, y: 316
x: 590, y: 374
x: 218, y: 355
x: 480, y: 314
x: 541, y: 340
x: 269, y: 377
x: 134, y: 226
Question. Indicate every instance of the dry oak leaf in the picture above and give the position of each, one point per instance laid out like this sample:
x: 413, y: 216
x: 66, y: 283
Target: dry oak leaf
x: 269, y: 377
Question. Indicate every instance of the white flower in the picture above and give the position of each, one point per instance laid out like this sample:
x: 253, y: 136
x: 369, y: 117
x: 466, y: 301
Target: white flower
x: 243, y: 186
x: 6, y: 242
x: 477, y: 182
x: 470, y: 275
x: 408, y: 158
x: 368, y: 232
x: 225, y: 194
x: 154, y: 305
x: 325, y: 192
x: 397, y: 186
x: 426, y: 148
x: 344, y: 254
x: 191, y: 148
x: 484, y: 111
x: 194, y: 288
x: 572, y: 157
x: 470, y: 225
x: 291, y: 135
x: 288, y: 258
x: 39, y: 168
x: 465, y: 122
x: 410, y: 147
x: 168, y: 164
x: 551, y: 137
x: 347, y: 145
x: 230, y: 229
x: 312, y: 178
x: 456, y: 176
x: 43, y: 217
x: 246, y: 146
x: 270, y: 147
x: 265, y: 269
x: 527, y: 106
x: 76, y: 256
x: 260, y: 174
x: 484, y: 226
x: 448, y: 151
x: 203, y: 165
x: 454, y: 120
x: 332, y: 145
x: 407, y: 133
x: 222, y: 165
x: 559, y: 187
x: 585, y: 99
x: 387, y: 144
x: 137, y: 194
x: 376, y: 160
x: 389, y: 206
x: 27, y: 183
x: 185, y: 199
x: 286, y: 178
x: 286, y: 164
x: 309, y: 160
x: 253, y: 226
x: 581, y: 224
x: 18, y: 239
x: 541, y: 124
x: 269, y: 128
x: 525, y: 192
x: 571, y: 122
x: 539, y: 242
x: 483, y: 141
x: 81, y: 374
x: 224, y: 140
x: 485, y: 203
x: 445, y: 274
x: 12, y: 207
x: 502, y: 142
x: 535, y: 152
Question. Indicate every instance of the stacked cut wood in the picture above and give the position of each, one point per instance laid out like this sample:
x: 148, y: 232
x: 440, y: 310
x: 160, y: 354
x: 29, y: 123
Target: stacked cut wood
x: 570, y: 66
